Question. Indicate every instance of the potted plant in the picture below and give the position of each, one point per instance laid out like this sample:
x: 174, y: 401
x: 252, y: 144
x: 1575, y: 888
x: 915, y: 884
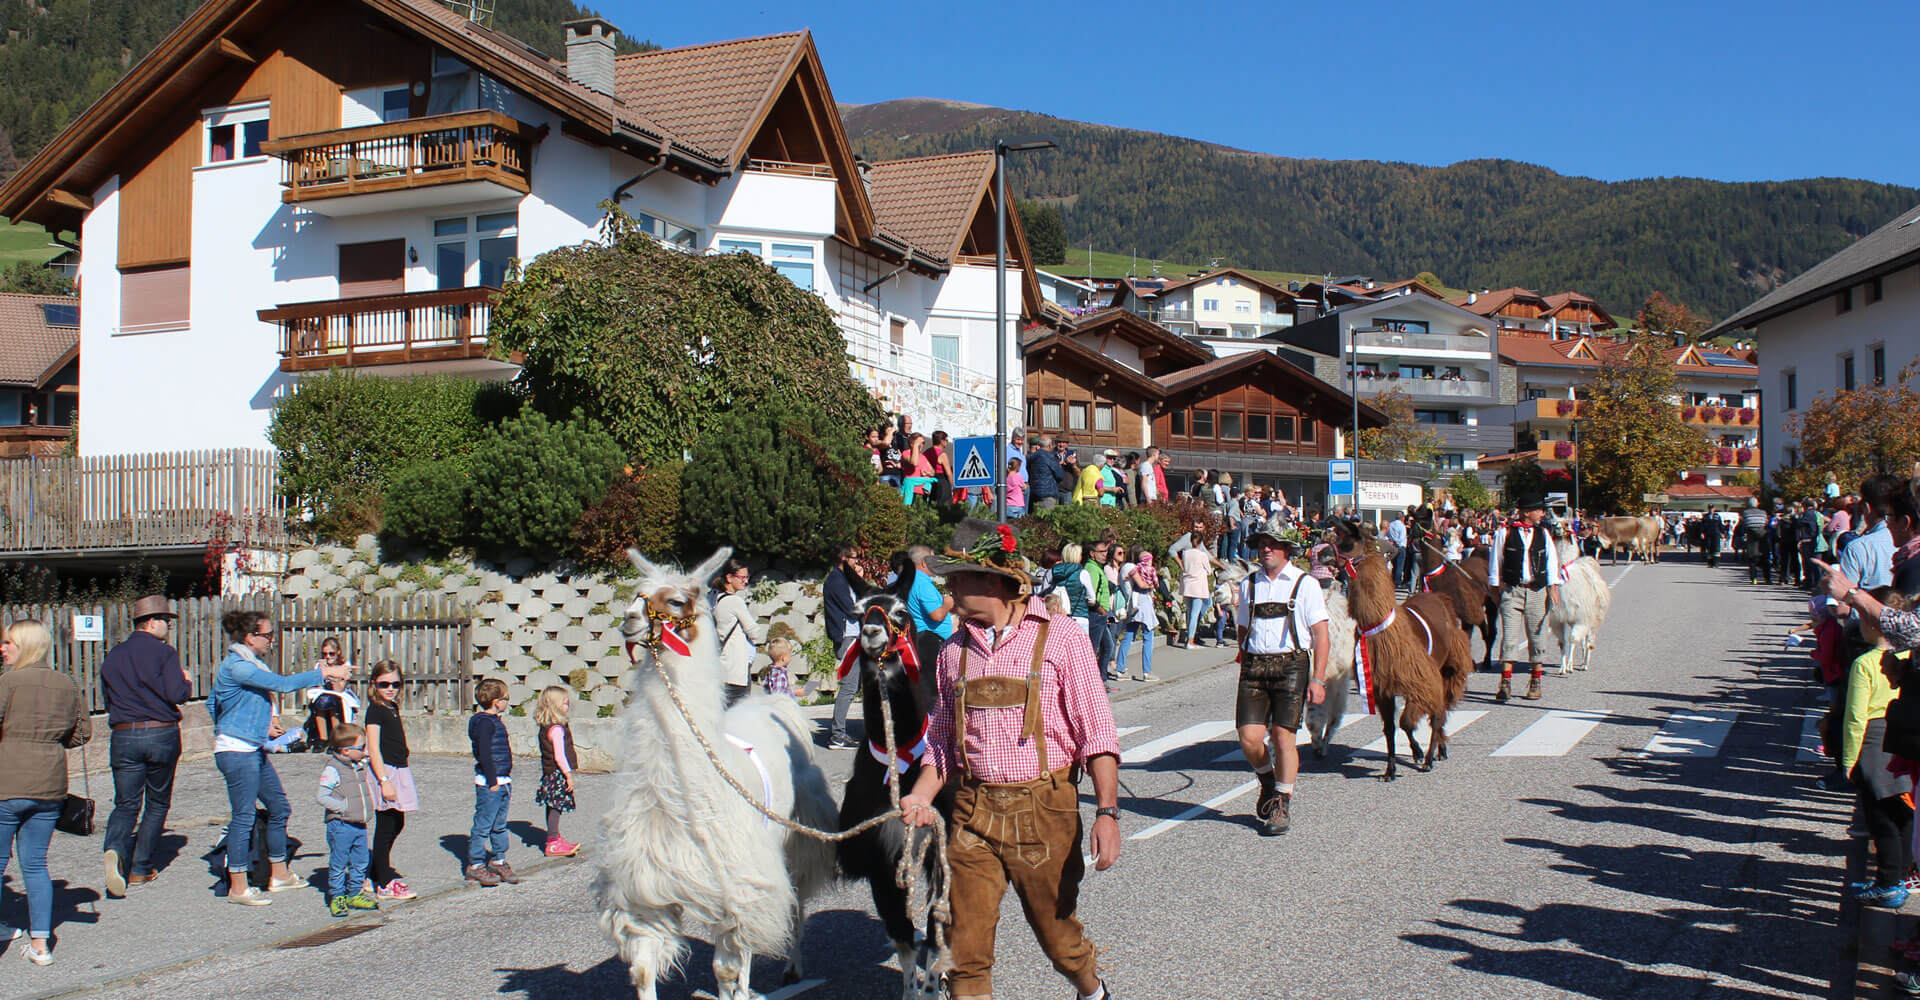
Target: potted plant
x: 1745, y: 455
x: 1747, y: 415
x: 1727, y: 413
x: 1563, y: 449
x: 1686, y: 414
x: 1564, y: 407
x: 1724, y: 456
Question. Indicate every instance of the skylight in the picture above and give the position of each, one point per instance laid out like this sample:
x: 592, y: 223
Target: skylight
x: 61, y: 314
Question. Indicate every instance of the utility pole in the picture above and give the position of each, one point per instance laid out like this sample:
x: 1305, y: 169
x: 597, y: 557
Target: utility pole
x: 1020, y: 144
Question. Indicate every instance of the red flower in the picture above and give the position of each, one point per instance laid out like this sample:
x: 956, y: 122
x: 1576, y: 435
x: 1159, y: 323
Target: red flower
x: 1686, y: 414
x: 1564, y: 407
x: 1563, y: 449
x: 1007, y: 542
x: 1747, y: 415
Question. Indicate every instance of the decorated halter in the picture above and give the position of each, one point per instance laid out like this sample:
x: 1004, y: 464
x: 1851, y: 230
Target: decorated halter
x: 900, y: 644
x: 663, y: 632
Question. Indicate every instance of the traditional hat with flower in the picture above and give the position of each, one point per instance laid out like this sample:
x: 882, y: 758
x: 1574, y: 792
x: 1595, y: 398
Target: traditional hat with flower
x: 981, y: 546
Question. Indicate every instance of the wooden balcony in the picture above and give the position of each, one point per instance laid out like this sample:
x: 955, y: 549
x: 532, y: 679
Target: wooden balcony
x: 171, y: 500
x: 420, y: 162
x: 438, y: 326
x: 34, y: 440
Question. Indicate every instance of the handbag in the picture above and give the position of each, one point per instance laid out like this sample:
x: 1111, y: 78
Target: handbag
x: 76, y: 813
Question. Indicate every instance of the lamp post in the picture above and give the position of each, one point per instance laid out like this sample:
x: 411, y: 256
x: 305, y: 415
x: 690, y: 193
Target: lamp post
x: 1017, y: 144
x: 1576, y: 465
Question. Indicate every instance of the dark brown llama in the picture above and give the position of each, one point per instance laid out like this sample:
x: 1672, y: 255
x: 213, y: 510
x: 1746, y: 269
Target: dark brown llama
x: 1421, y: 657
x: 1463, y: 582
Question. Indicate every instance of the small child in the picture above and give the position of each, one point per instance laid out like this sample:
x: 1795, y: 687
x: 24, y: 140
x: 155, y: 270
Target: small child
x: 343, y: 794
x: 779, y: 676
x: 493, y: 786
x: 331, y: 703
x: 1058, y: 606
x: 556, y: 765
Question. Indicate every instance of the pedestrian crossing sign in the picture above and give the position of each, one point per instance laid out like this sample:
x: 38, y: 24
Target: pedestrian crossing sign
x: 975, y: 458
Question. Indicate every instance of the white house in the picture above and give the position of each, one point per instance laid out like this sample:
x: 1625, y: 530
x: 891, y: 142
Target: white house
x: 1222, y: 305
x: 1850, y: 320
x: 281, y: 188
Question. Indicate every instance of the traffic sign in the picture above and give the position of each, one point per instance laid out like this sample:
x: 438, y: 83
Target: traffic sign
x: 974, y: 461
x: 1340, y: 477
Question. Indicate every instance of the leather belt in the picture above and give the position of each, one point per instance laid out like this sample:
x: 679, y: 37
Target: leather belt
x: 121, y: 727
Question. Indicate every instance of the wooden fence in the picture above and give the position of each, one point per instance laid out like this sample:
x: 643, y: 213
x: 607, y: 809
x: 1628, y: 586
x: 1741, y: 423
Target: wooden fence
x: 430, y: 636
x: 140, y: 501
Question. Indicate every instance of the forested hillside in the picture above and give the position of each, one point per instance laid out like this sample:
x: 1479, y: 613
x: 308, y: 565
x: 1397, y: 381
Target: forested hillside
x: 1715, y: 246
x: 57, y: 56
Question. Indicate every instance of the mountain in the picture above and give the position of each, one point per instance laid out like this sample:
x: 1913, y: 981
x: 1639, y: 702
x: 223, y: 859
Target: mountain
x: 57, y: 56
x: 1480, y: 223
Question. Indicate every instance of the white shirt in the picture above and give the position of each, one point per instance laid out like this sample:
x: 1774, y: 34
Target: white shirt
x: 1270, y: 635
x: 349, y: 705
x: 1528, y: 538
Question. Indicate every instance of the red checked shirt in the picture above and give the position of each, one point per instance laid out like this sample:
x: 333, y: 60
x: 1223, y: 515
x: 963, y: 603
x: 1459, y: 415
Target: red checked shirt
x: 1076, y: 719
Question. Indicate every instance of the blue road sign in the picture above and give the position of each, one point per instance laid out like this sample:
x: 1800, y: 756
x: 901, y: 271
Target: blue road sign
x: 1340, y: 477
x: 973, y: 461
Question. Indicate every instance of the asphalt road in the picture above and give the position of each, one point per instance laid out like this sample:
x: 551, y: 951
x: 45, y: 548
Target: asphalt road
x: 1649, y: 829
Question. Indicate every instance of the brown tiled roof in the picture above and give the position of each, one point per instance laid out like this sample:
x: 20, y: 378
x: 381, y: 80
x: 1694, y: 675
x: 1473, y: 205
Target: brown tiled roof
x: 930, y: 200
x: 1141, y: 331
x: 1491, y: 302
x: 1266, y: 286
x: 1537, y: 351
x: 1188, y: 378
x: 708, y: 96
x: 30, y: 350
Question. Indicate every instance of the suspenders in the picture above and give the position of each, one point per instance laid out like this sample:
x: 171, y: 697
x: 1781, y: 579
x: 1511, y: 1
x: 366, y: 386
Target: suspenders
x: 1002, y: 692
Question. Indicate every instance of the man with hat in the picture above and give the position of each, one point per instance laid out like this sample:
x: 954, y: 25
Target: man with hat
x: 1526, y: 570
x: 1282, y: 619
x: 145, y: 685
x: 1020, y: 711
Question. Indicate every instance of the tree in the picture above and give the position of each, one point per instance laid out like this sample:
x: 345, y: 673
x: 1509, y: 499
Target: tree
x: 1659, y: 314
x: 659, y: 345
x: 1430, y: 279
x: 781, y: 480
x: 1855, y: 433
x: 1523, y: 479
x: 532, y: 477
x: 27, y: 278
x: 1046, y: 234
x: 1469, y: 493
x: 1634, y: 441
x: 1404, y: 438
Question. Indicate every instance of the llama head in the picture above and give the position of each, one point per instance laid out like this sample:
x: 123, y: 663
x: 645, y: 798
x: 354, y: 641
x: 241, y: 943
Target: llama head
x: 883, y: 620
x: 669, y: 607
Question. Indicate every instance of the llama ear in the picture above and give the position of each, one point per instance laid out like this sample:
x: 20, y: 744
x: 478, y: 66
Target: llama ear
x: 705, y: 570
x: 642, y: 563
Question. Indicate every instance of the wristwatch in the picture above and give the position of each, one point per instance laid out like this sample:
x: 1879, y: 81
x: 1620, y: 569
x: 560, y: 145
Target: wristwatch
x: 1113, y: 811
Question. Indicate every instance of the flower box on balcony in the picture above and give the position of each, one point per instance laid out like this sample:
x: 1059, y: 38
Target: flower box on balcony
x: 1563, y: 449
x: 1723, y: 456
x: 1747, y: 416
x: 1564, y: 407
x: 1686, y: 414
x: 1727, y: 414
x: 1745, y: 455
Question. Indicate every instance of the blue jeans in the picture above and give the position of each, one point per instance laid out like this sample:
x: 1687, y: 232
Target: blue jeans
x: 1102, y: 638
x: 31, y: 821
x: 849, y: 690
x: 1146, y: 648
x: 250, y: 779
x: 1016, y: 512
x: 143, y: 765
x: 488, y: 841
x: 346, y: 858
x: 1220, y: 616
x: 1196, y: 606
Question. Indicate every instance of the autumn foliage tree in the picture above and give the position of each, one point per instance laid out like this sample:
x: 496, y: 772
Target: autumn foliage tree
x: 1404, y: 438
x: 1660, y: 314
x: 1853, y: 434
x: 1633, y: 441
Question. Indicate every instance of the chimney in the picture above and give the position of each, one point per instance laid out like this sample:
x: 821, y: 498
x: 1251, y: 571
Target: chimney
x: 590, y: 53
x: 1473, y: 297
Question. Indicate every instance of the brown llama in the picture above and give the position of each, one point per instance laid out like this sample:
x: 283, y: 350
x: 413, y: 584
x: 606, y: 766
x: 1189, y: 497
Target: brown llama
x: 1463, y: 583
x: 1421, y: 657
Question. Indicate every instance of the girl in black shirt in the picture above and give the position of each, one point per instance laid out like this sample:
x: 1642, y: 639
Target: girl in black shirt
x: 387, y: 774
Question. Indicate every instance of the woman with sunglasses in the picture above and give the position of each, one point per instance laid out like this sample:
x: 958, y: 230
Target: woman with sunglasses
x: 332, y: 703
x: 243, y: 721
x: 388, y: 777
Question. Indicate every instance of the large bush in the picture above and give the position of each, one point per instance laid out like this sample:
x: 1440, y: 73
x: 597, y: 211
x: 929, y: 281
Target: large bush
x: 532, y: 477
x: 344, y: 438
x: 659, y: 345
x: 641, y: 510
x: 777, y: 480
x: 427, y: 505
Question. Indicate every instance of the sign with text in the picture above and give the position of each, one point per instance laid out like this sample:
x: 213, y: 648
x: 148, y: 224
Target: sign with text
x: 1653, y: 498
x: 973, y: 460
x: 1340, y: 477
x: 1389, y: 496
x: 89, y: 628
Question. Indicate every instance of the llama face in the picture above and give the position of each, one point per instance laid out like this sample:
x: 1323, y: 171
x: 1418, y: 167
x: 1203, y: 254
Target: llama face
x: 669, y: 607
x: 882, y: 618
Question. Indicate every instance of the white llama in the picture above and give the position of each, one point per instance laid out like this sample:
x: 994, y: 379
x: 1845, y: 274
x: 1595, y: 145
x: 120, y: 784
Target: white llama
x: 1323, y: 720
x: 1584, y: 602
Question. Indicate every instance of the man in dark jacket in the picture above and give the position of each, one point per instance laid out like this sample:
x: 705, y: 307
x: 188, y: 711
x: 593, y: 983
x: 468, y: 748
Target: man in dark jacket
x: 1752, y: 536
x: 838, y: 593
x: 145, y: 685
x: 1044, y: 475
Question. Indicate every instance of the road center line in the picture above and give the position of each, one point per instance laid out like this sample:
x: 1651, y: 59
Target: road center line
x: 1622, y: 576
x: 1155, y: 749
x: 1692, y: 734
x: 1211, y: 804
x: 1553, y: 734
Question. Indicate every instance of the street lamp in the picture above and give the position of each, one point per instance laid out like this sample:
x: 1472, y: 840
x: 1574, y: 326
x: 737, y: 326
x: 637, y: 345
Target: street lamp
x: 1017, y: 144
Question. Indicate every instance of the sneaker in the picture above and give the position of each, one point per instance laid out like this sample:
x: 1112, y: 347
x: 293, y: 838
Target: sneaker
x: 1892, y: 897
x: 504, y: 872
x: 1282, y: 818
x: 1505, y: 692
x: 42, y: 957
x: 139, y: 879
x: 483, y: 875
x: 560, y: 848
x: 1148, y: 678
x: 1908, y: 983
x: 841, y: 741
x: 287, y: 884
x: 361, y: 901
x: 116, y: 879
x: 337, y: 906
x: 248, y: 897
x: 394, y: 891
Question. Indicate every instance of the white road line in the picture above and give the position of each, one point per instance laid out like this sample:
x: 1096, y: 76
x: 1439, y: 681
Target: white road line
x: 783, y: 993
x: 1810, y: 735
x: 1155, y: 749
x: 1692, y: 734
x: 1553, y: 734
x: 1213, y: 803
x: 1456, y: 721
x: 1302, y: 738
x: 1622, y: 576
x: 1126, y: 731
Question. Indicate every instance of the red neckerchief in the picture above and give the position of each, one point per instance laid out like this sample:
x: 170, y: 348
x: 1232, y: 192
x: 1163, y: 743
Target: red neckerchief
x: 901, y: 645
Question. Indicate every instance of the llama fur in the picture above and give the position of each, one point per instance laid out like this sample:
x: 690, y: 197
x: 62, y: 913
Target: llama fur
x: 1403, y: 670
x: 1323, y: 720
x: 1582, y: 608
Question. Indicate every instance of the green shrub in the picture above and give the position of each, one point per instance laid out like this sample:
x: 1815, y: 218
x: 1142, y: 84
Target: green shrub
x: 641, y: 510
x: 344, y: 438
x: 427, y: 505
x: 931, y: 525
x: 532, y: 477
x: 884, y: 530
x: 777, y: 480
x: 1469, y: 493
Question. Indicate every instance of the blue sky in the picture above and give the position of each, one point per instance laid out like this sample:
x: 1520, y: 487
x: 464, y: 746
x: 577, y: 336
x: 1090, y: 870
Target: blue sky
x: 1758, y: 90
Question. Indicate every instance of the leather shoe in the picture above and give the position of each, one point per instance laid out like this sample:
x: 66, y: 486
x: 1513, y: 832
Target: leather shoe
x: 142, y: 879
x: 1281, y: 820
x: 1533, y: 688
x: 1505, y: 692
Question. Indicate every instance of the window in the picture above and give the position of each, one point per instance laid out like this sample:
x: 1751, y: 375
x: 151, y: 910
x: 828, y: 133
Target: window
x: 1306, y: 430
x: 668, y: 231
x: 1449, y: 462
x: 1230, y: 426
x: 1436, y: 416
x: 1791, y: 388
x: 1843, y: 301
x: 472, y: 251
x: 794, y: 261
x: 1203, y: 423
x: 1033, y: 413
x: 946, y: 357
x: 1257, y: 424
x: 1210, y: 305
x: 154, y: 299
x: 1282, y: 427
x: 1050, y: 414
x: 1177, y: 423
x: 1245, y: 308
x: 1416, y: 371
x: 1076, y: 416
x: 1846, y: 371
x: 1879, y: 357
x: 1874, y: 291
x: 235, y: 133
x: 740, y: 246
x: 1103, y: 417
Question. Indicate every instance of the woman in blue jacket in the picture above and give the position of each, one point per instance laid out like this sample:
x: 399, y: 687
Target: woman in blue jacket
x: 243, y: 721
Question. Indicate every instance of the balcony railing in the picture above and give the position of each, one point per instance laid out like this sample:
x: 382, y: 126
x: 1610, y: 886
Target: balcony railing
x: 1422, y: 342
x: 418, y: 152
x: 918, y: 365
x: 154, y: 500
x: 790, y: 169
x: 34, y: 440
x: 1425, y: 388
x: 445, y: 325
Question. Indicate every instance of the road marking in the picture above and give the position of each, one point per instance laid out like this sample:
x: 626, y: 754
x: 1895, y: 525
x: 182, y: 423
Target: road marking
x: 1211, y: 804
x: 1456, y: 721
x: 1692, y: 734
x: 1553, y: 734
x: 783, y: 993
x: 1622, y: 576
x: 1155, y: 749
x: 1302, y: 738
x: 1810, y: 735
x: 1126, y: 731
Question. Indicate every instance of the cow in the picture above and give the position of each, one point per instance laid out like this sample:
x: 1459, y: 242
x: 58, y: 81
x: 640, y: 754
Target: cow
x: 1638, y: 535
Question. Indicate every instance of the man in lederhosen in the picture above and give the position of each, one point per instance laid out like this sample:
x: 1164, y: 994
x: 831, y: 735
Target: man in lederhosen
x: 1282, y: 617
x: 1526, y: 570
x: 1021, y: 711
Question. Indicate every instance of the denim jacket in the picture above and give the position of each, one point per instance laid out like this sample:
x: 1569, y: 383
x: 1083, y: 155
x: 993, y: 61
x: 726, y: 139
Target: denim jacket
x: 239, y: 703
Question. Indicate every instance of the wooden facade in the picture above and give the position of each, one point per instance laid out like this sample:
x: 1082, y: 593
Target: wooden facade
x: 1085, y: 406
x: 1249, y: 415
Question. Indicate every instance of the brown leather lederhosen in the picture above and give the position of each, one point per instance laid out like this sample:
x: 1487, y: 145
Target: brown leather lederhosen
x: 1273, y: 686
x: 1025, y: 834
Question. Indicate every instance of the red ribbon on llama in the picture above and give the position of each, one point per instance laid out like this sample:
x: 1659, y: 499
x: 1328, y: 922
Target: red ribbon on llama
x: 901, y: 645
